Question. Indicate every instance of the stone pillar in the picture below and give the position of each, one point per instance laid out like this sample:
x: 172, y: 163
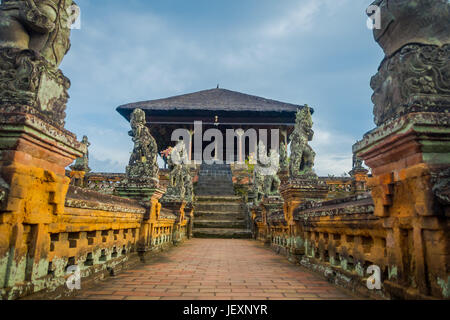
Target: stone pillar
x: 191, y: 133
x: 153, y: 212
x: 34, y: 154
x: 189, y: 214
x: 409, y: 150
x: 295, y: 192
x: 410, y: 183
x: 177, y: 208
x: 35, y: 148
x: 270, y: 205
x: 240, y: 133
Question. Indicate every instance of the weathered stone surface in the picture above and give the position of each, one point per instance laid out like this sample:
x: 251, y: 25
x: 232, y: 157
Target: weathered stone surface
x: 302, y: 155
x: 220, y: 217
x: 403, y: 22
x: 180, y: 180
x: 82, y: 163
x: 414, y: 76
x: 34, y: 37
x: 414, y: 79
x: 143, y: 165
x: 42, y: 26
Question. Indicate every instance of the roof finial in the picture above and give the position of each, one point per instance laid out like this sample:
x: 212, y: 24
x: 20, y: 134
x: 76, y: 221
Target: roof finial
x: 217, y: 86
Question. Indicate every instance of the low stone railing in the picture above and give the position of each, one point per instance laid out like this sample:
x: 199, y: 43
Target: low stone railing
x: 96, y: 235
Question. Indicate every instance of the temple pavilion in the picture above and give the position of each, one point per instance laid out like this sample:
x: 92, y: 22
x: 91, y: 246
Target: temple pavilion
x: 217, y: 108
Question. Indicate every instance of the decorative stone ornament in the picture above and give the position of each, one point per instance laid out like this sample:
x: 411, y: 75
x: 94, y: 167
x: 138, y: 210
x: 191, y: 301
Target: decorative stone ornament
x: 302, y: 155
x: 415, y: 75
x: 143, y: 163
x: 34, y: 37
x: 82, y: 163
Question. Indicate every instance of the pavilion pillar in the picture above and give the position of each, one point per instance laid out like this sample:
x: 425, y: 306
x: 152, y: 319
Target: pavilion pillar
x: 240, y: 134
x: 191, y: 133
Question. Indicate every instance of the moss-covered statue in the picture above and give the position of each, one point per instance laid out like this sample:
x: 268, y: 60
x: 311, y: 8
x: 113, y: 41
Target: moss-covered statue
x: 34, y: 37
x: 82, y: 163
x: 180, y: 182
x: 143, y: 163
x: 265, y: 175
x: 415, y: 74
x: 302, y: 155
x: 284, y: 160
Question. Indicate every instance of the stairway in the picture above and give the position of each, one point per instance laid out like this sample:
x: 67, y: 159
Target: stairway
x: 218, y: 212
x: 214, y: 180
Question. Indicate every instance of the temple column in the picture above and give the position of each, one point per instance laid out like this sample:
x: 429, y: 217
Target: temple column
x: 409, y: 149
x: 191, y: 133
x: 240, y: 133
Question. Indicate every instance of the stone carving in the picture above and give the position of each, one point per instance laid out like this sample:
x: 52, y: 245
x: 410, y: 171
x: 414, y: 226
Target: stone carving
x: 441, y: 187
x: 271, y: 180
x: 357, y: 162
x: 265, y: 175
x: 188, y: 185
x: 143, y: 163
x: 302, y: 155
x: 178, y: 176
x: 34, y: 37
x: 404, y: 22
x: 284, y: 161
x: 4, y: 188
x: 82, y: 164
x: 258, y: 186
x: 415, y: 79
x: 415, y: 75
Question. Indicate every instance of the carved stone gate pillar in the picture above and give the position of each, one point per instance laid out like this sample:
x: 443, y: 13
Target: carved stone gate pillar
x: 409, y: 150
x: 296, y: 191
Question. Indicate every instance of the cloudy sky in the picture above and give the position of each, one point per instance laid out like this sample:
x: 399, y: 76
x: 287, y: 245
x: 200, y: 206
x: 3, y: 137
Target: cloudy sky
x: 316, y: 52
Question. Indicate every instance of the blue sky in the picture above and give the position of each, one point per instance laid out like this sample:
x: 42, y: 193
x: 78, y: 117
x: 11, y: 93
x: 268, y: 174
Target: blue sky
x: 316, y: 52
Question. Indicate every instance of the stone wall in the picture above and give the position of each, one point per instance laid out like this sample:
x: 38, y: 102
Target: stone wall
x: 100, y: 234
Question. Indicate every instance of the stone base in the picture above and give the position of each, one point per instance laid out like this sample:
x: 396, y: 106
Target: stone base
x: 30, y: 85
x: 142, y: 191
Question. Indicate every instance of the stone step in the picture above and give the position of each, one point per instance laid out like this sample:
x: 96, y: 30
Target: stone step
x: 222, y: 233
x: 218, y: 199
x: 208, y: 215
x: 219, y: 207
x: 215, y: 179
x: 228, y: 224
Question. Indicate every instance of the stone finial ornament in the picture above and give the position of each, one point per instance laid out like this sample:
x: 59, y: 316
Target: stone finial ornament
x: 302, y: 155
x: 265, y: 174
x: 180, y: 182
x: 403, y: 22
x: 188, y: 185
x: 143, y: 163
x: 82, y: 163
x: 415, y: 75
x: 284, y: 161
x: 41, y: 26
x: 271, y: 180
x: 34, y: 38
x: 357, y: 162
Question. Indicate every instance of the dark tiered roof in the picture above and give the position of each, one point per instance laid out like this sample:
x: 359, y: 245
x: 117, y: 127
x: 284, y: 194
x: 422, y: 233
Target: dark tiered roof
x: 211, y: 100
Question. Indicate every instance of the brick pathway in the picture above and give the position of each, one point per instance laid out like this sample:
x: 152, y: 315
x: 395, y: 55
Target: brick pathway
x: 208, y: 269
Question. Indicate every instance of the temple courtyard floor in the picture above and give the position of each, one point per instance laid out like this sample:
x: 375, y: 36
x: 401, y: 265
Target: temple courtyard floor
x: 216, y: 269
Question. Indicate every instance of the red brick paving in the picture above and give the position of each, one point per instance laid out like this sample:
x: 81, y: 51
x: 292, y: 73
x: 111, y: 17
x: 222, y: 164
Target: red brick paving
x: 207, y: 269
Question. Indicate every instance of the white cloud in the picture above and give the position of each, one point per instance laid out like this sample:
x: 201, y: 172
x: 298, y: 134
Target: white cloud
x: 333, y: 152
x: 299, y: 19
